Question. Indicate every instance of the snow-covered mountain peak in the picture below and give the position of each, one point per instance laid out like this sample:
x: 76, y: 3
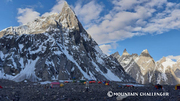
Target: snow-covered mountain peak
x: 145, y: 53
x: 168, y: 59
x: 163, y: 59
x: 67, y: 7
x: 125, y: 52
x: 55, y: 47
x: 167, y: 62
x: 68, y: 18
x: 66, y: 4
x: 144, y: 70
x: 115, y: 54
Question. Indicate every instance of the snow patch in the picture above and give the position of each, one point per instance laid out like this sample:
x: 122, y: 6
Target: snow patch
x: 136, y: 59
x: 58, y: 52
x: 92, y: 76
x: 5, y: 76
x: 99, y: 60
x: 72, y: 69
x: 112, y: 76
x: 109, y: 75
x: 45, y: 82
x: 72, y: 59
x: 99, y: 51
x: 142, y: 78
x: 164, y: 76
x: 75, y: 47
x: 21, y: 46
x: 130, y: 66
x: 135, y: 85
x: 28, y: 72
x: 85, y: 37
x: 168, y: 62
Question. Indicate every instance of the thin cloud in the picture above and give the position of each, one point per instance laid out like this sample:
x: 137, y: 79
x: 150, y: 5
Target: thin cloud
x: 56, y: 8
x: 134, y: 18
x: 26, y: 15
x: 88, y: 12
x: 173, y: 57
x: 9, y: 0
x: 37, y: 5
x: 106, y: 48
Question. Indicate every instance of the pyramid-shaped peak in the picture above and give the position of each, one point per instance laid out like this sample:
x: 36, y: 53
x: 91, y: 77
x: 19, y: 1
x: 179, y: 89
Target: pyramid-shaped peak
x: 68, y: 18
x: 125, y: 52
x: 115, y: 54
x: 66, y: 4
x: 166, y: 59
x: 163, y: 59
x: 145, y: 53
x: 67, y: 9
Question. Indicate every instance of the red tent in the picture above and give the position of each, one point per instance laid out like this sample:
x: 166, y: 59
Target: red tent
x: 66, y: 81
x: 92, y: 81
x: 158, y: 86
x: 129, y: 86
x: 55, y: 84
x: 1, y: 87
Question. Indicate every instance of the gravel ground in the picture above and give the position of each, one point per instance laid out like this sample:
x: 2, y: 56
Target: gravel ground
x: 13, y: 91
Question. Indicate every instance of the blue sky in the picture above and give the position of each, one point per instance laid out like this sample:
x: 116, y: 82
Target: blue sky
x: 114, y: 24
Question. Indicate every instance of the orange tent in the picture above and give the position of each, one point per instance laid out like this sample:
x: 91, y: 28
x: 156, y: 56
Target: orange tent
x: 177, y: 87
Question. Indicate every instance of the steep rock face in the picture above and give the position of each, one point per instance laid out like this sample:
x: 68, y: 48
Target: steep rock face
x: 69, y: 19
x: 177, y: 72
x: 145, y: 53
x: 146, y: 62
x: 115, y: 55
x: 55, y: 48
x: 145, y: 70
x: 176, y: 68
x: 125, y: 52
x: 129, y: 64
x: 166, y: 74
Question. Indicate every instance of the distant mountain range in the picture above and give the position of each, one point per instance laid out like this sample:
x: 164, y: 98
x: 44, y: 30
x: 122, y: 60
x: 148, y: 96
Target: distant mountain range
x: 56, y: 47
x: 145, y: 70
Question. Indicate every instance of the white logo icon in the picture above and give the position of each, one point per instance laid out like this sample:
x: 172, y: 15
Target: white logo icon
x: 110, y: 94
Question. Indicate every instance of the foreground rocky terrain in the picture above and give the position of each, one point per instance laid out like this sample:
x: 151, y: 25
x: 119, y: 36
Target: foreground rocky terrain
x: 28, y: 91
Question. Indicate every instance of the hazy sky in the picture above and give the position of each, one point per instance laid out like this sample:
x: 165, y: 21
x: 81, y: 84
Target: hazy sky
x: 114, y: 24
